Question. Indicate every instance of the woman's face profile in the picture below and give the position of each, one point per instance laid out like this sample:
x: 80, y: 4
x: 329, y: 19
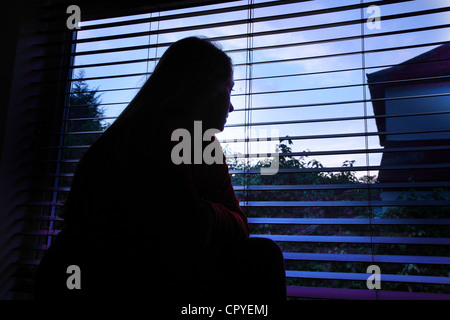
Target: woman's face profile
x: 218, y: 108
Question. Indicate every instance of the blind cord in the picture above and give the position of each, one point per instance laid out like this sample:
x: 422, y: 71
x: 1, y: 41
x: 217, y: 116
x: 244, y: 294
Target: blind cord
x: 63, y: 127
x: 366, y: 137
x: 248, y: 100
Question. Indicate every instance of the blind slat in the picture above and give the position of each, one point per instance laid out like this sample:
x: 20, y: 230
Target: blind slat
x: 366, y: 186
x: 346, y: 169
x: 349, y: 221
x: 360, y: 294
x: 356, y: 239
x: 348, y: 203
x: 364, y: 277
x: 365, y: 258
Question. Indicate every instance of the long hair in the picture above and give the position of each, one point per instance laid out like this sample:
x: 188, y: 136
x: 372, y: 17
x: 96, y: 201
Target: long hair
x: 189, y: 72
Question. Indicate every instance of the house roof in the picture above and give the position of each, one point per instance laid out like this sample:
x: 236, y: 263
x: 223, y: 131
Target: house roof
x: 423, y: 68
x: 433, y: 63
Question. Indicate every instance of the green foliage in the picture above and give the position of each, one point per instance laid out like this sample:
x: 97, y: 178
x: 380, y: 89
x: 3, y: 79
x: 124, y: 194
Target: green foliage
x: 84, y: 123
x: 305, y: 172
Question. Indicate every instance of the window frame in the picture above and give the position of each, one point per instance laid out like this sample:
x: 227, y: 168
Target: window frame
x: 59, y: 45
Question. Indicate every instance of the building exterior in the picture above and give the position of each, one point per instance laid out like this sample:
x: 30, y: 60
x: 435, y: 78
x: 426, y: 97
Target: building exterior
x: 411, y: 103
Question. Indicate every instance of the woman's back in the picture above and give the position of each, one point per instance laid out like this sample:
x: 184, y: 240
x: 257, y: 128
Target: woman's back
x: 128, y: 217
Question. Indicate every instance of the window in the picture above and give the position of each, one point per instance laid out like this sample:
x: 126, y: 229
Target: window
x: 347, y: 100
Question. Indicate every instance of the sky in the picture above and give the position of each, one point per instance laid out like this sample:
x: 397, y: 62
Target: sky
x: 324, y: 95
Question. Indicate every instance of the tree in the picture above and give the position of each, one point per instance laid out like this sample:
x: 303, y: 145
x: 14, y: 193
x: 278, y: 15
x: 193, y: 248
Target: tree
x: 82, y: 127
x: 84, y: 123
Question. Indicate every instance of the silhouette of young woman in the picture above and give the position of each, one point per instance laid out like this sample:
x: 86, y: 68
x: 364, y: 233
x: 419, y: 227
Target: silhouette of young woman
x: 140, y: 226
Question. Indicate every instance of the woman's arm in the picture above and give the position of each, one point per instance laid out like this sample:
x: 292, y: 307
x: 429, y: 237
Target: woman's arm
x: 214, y: 185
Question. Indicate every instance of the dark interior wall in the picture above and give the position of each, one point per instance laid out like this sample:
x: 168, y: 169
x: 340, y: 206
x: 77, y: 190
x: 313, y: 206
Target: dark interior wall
x: 31, y: 94
x: 32, y: 100
x: 17, y: 111
x: 9, y: 27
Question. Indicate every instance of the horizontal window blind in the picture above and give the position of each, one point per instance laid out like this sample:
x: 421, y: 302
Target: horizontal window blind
x: 347, y: 101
